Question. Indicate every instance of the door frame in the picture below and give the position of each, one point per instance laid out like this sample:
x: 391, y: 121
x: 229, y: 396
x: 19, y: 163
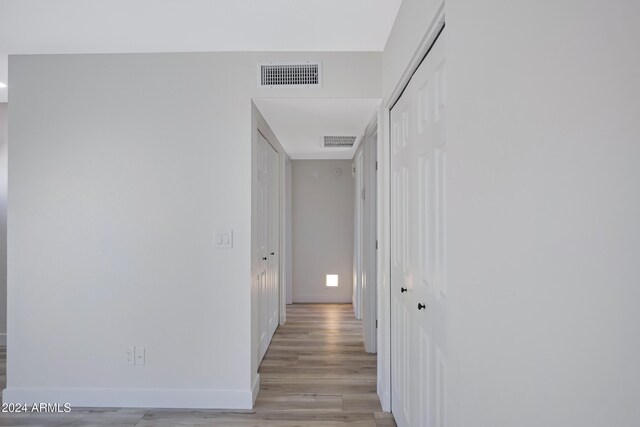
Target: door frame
x: 358, y: 258
x: 370, y: 228
x: 384, y: 208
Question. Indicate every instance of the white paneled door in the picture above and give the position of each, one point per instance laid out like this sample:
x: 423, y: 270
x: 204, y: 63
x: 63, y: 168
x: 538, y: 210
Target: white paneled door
x: 273, y: 257
x: 418, y: 247
x: 268, y: 247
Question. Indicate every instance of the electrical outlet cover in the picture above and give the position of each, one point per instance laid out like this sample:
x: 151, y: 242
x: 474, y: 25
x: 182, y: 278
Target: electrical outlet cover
x: 224, y: 239
x: 129, y: 356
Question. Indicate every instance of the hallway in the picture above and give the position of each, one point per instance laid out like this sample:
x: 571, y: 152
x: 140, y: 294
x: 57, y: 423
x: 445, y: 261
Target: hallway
x: 314, y: 374
x: 316, y: 371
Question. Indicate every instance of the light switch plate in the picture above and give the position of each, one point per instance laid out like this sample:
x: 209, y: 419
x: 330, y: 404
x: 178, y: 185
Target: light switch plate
x: 139, y: 355
x: 224, y: 239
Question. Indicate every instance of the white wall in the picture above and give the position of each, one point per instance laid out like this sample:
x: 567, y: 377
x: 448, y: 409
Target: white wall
x: 544, y: 210
x: 122, y: 169
x: 3, y: 223
x: 323, y: 215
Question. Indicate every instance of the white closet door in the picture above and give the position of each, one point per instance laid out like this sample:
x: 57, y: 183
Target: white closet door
x: 262, y: 173
x: 418, y: 227
x: 402, y: 309
x: 273, y: 257
x: 268, y: 223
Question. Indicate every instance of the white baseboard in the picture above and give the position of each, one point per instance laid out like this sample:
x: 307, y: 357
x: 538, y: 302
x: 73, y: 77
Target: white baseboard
x: 3, y: 339
x: 321, y: 298
x: 385, y: 399
x: 255, y: 388
x: 133, y: 398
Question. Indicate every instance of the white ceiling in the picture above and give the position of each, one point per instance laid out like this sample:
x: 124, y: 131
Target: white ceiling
x: 125, y: 26
x: 300, y: 123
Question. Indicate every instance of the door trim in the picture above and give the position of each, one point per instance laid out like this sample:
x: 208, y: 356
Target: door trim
x: 368, y: 242
x: 384, y: 208
x: 433, y: 30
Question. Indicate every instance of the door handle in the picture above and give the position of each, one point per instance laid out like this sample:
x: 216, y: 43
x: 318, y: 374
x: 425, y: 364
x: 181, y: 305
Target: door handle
x: 273, y: 253
x: 421, y: 306
x: 264, y: 258
x: 403, y: 290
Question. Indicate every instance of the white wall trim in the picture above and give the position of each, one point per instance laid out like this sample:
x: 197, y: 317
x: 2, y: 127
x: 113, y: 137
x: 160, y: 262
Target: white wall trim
x: 134, y: 398
x: 287, y: 253
x: 358, y: 256
x: 426, y: 42
x: 255, y: 388
x: 384, y: 263
x: 373, y: 123
x: 369, y: 227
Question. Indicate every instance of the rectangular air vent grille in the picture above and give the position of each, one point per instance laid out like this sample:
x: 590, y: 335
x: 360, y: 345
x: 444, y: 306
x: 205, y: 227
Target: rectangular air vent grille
x: 289, y: 74
x: 339, y: 141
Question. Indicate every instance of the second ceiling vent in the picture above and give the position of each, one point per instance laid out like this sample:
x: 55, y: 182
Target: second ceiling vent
x: 289, y: 74
x: 329, y: 141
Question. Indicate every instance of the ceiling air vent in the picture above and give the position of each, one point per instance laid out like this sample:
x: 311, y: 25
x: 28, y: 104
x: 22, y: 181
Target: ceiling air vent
x: 338, y: 141
x: 289, y: 74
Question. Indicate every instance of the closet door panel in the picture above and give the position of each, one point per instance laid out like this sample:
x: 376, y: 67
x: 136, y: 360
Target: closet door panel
x: 418, y: 243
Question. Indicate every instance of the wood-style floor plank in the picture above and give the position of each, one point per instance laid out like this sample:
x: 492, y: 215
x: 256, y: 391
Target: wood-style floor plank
x: 315, y: 374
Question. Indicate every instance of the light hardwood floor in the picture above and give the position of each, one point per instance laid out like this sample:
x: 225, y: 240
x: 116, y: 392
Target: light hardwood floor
x: 315, y: 373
